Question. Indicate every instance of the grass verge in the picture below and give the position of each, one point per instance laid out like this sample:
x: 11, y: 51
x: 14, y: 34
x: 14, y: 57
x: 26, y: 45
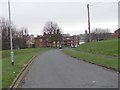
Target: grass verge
x: 21, y: 57
x: 99, y: 60
x: 104, y: 53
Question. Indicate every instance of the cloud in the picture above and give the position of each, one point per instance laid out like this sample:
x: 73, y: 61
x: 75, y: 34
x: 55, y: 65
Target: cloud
x: 71, y: 17
x: 61, y: 0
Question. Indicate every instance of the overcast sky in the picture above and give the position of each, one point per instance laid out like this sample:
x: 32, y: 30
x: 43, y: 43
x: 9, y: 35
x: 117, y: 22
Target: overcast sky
x: 71, y: 15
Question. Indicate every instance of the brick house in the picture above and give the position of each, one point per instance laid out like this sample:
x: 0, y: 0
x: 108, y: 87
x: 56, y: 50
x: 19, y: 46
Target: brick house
x: 117, y: 33
x: 67, y: 40
x: 72, y: 41
x: 38, y: 42
x: 42, y: 41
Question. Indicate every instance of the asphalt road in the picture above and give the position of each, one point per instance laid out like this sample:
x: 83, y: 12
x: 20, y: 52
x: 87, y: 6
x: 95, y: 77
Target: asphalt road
x: 54, y: 69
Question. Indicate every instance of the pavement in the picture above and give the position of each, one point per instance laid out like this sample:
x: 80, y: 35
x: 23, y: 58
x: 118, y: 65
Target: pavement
x: 54, y: 69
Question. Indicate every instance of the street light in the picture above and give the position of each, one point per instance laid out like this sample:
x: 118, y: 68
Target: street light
x: 11, y: 45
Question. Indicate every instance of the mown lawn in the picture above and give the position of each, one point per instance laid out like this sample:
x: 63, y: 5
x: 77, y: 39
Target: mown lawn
x: 92, y: 52
x: 21, y: 57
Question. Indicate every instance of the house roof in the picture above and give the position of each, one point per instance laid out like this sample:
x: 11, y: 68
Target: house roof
x: 117, y: 31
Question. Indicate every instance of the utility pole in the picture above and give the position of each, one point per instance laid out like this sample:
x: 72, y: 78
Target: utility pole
x: 89, y: 22
x: 86, y: 36
x: 11, y: 44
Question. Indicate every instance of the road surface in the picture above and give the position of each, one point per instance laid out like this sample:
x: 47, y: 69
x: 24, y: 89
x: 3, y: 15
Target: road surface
x: 54, y: 69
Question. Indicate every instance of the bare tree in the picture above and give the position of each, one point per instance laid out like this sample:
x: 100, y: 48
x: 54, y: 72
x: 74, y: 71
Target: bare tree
x: 4, y: 27
x: 100, y: 34
x: 24, y: 34
x: 57, y: 37
x: 19, y: 37
x: 53, y: 31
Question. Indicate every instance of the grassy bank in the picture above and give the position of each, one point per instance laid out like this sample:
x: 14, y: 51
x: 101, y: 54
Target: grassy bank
x: 103, y: 53
x: 105, y: 47
x: 21, y: 57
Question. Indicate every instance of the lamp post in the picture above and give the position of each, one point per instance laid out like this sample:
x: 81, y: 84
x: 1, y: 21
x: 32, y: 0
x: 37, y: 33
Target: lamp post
x: 11, y: 44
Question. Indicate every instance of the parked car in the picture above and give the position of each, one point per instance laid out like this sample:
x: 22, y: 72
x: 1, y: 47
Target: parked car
x: 60, y: 47
x: 72, y: 46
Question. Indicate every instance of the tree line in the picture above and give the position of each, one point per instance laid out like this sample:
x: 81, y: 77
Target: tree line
x: 99, y: 34
x: 19, y: 37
